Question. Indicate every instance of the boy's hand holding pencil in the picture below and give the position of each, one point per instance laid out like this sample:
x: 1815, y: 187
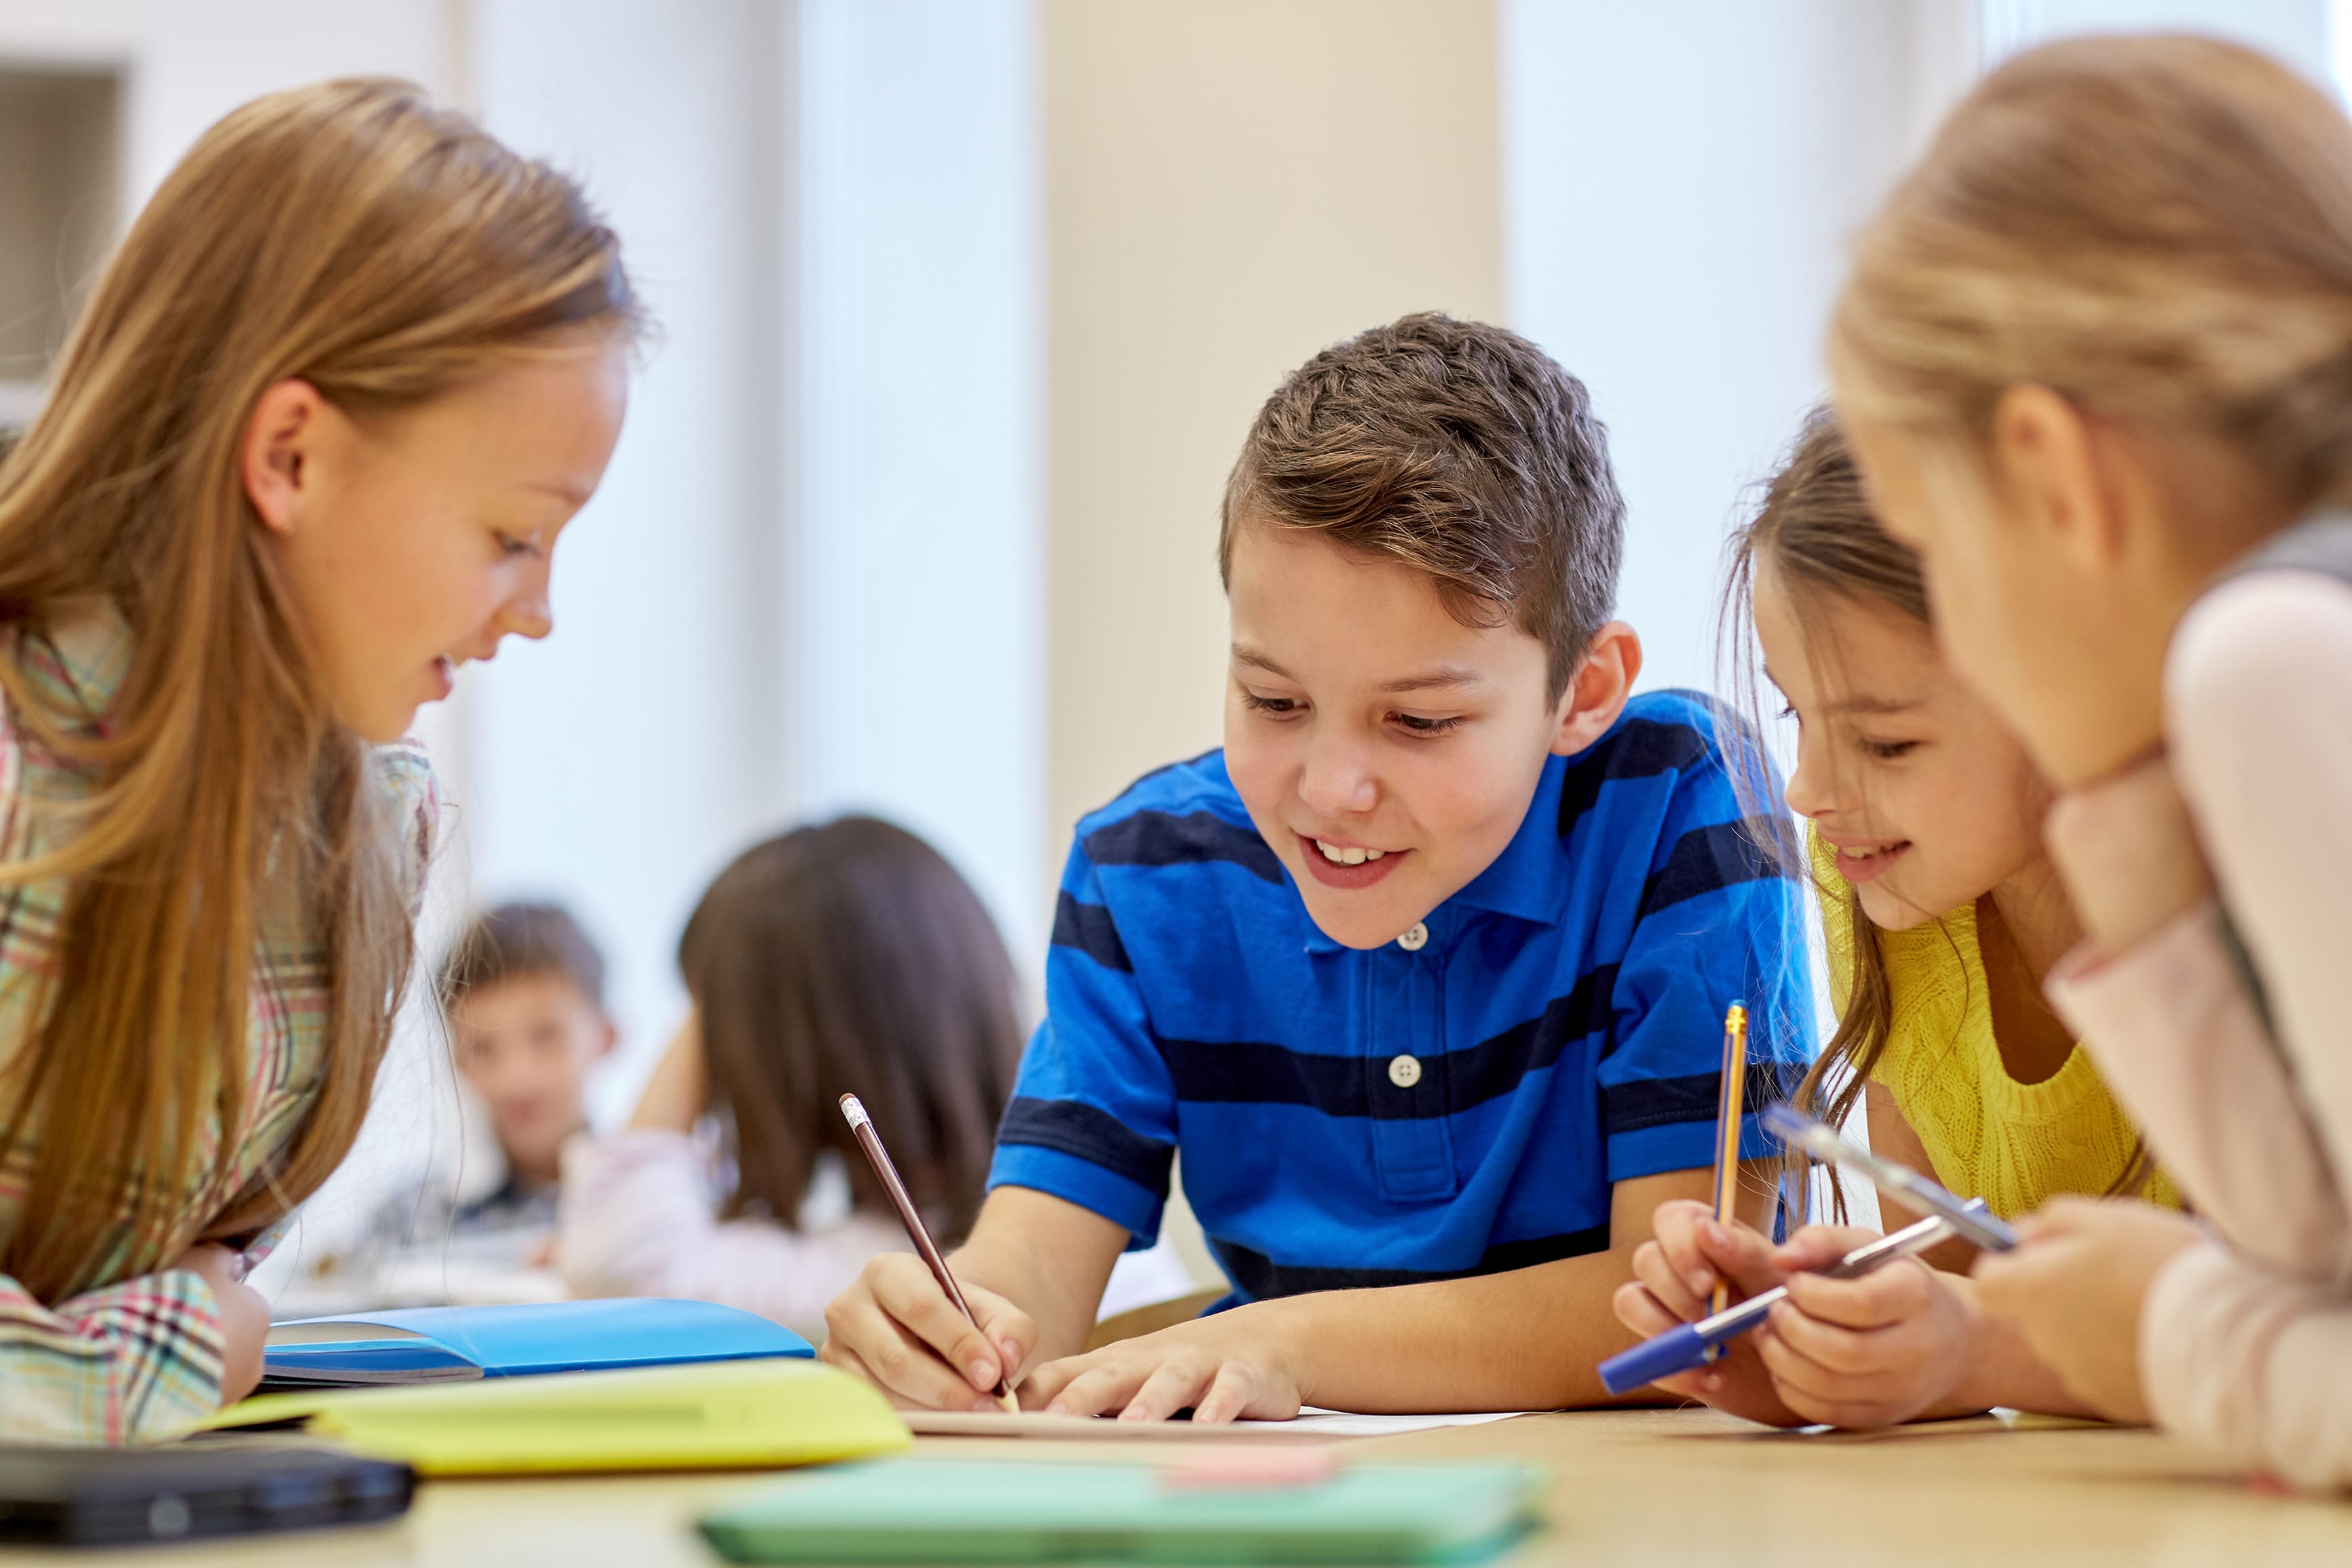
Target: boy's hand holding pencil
x: 913, y: 1342
x: 983, y: 1336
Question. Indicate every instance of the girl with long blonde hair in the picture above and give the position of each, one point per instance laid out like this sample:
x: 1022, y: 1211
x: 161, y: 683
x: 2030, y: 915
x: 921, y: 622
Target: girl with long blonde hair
x: 2096, y: 361
x: 307, y: 447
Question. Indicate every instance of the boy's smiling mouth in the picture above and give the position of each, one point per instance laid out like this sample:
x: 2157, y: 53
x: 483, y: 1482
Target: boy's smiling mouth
x: 1347, y: 866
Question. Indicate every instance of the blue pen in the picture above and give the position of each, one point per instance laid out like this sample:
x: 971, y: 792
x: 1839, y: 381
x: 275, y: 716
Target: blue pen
x: 1694, y: 1344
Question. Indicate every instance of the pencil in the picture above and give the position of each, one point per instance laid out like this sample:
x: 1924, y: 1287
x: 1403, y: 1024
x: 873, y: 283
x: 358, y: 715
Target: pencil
x: 861, y: 1126
x: 1730, y: 1106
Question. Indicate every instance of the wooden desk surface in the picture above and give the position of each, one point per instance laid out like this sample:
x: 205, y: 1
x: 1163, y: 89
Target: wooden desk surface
x: 1647, y: 1488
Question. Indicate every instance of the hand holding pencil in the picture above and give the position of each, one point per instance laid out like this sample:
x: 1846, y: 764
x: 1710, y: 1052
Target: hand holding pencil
x: 861, y: 1126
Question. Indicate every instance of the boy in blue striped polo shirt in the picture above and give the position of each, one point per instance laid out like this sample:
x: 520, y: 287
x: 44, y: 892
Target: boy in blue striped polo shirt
x: 1424, y: 974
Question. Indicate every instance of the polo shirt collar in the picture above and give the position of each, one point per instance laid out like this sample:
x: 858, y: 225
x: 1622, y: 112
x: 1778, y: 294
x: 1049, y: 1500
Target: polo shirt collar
x: 1529, y: 881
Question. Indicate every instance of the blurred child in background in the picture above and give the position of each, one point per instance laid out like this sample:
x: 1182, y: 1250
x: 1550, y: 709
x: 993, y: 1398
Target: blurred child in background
x: 524, y: 990
x: 843, y: 958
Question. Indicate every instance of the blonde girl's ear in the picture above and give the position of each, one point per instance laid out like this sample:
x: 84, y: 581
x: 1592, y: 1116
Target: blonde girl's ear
x: 2052, y: 466
x: 275, y: 458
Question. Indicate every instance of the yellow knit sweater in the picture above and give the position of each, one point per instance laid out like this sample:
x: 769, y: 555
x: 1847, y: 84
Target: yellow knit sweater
x: 2014, y: 1145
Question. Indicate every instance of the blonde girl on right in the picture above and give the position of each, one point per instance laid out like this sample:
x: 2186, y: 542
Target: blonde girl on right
x: 2095, y: 360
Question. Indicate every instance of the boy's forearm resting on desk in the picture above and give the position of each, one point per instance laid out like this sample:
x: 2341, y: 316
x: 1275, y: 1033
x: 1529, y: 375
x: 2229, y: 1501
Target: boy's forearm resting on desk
x: 1529, y: 1339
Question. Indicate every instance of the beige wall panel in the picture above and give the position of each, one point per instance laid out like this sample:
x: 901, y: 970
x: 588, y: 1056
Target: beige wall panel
x: 1231, y: 184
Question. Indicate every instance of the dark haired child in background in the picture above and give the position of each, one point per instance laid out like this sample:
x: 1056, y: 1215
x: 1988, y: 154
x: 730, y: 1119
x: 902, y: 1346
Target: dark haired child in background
x: 1425, y: 972
x: 523, y: 987
x: 843, y: 958
x: 1941, y: 913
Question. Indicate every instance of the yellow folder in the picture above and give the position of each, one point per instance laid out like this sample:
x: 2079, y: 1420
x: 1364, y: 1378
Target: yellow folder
x: 709, y: 1415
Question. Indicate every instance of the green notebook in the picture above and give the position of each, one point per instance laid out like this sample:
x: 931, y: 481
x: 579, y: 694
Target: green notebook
x: 946, y: 1511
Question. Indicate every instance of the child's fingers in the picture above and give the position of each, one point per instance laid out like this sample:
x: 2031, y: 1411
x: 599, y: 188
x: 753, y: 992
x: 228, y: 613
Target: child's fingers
x: 1835, y: 1350
x: 1819, y: 1246
x: 1178, y: 1381
x: 1675, y: 1250
x: 1107, y: 1384
x: 1814, y: 1389
x: 1851, y: 1415
x: 1643, y: 1313
x: 1237, y: 1392
x: 1738, y: 1255
x: 1006, y: 1327
x: 1899, y: 1293
x: 914, y: 1303
x: 910, y: 1370
x: 1655, y: 1277
x: 1042, y: 1384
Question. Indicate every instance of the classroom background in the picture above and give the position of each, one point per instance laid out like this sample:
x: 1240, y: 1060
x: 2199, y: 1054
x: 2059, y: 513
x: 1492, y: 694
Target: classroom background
x: 963, y: 307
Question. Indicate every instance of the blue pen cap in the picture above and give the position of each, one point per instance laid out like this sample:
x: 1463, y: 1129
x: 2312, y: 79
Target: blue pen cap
x: 1677, y: 1350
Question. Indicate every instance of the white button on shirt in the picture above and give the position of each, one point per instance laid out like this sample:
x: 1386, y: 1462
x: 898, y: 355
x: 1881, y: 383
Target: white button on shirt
x: 1405, y: 1072
x: 1413, y: 941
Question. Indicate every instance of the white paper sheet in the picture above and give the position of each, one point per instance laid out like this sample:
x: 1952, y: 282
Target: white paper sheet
x: 1311, y: 1425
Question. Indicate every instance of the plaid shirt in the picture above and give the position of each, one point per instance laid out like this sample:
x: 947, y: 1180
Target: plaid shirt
x: 138, y: 1360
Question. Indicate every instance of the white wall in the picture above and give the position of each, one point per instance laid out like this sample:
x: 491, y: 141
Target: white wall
x: 619, y: 764
x: 813, y: 580
x: 919, y: 609
x: 1678, y: 185
x: 2296, y: 31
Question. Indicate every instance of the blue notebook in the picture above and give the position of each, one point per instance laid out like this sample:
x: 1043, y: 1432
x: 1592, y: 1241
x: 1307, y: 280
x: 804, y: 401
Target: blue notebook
x: 449, y: 1344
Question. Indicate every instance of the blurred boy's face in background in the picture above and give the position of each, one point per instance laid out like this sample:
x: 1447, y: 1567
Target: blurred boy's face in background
x: 525, y: 1045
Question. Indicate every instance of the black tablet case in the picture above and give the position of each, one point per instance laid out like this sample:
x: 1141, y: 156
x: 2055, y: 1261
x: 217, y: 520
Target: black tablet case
x: 186, y: 1491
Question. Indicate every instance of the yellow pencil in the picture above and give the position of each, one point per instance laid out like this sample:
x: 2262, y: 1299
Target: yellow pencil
x: 1730, y: 1106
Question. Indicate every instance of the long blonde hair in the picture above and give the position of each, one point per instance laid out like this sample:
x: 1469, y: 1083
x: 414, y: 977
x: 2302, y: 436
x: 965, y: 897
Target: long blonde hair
x: 2158, y: 228
x: 353, y: 234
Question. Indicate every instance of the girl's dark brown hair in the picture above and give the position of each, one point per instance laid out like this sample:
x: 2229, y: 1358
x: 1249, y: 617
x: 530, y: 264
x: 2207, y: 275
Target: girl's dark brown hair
x: 1816, y: 528
x: 1823, y: 543
x: 850, y: 957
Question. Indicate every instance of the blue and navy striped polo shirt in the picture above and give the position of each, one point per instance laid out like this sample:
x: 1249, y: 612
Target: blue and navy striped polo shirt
x: 1565, y: 1016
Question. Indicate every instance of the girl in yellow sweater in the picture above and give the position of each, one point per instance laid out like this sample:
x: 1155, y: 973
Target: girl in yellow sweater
x: 1941, y: 914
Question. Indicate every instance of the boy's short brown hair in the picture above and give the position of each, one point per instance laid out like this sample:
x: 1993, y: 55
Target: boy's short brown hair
x: 518, y: 939
x: 1459, y: 449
